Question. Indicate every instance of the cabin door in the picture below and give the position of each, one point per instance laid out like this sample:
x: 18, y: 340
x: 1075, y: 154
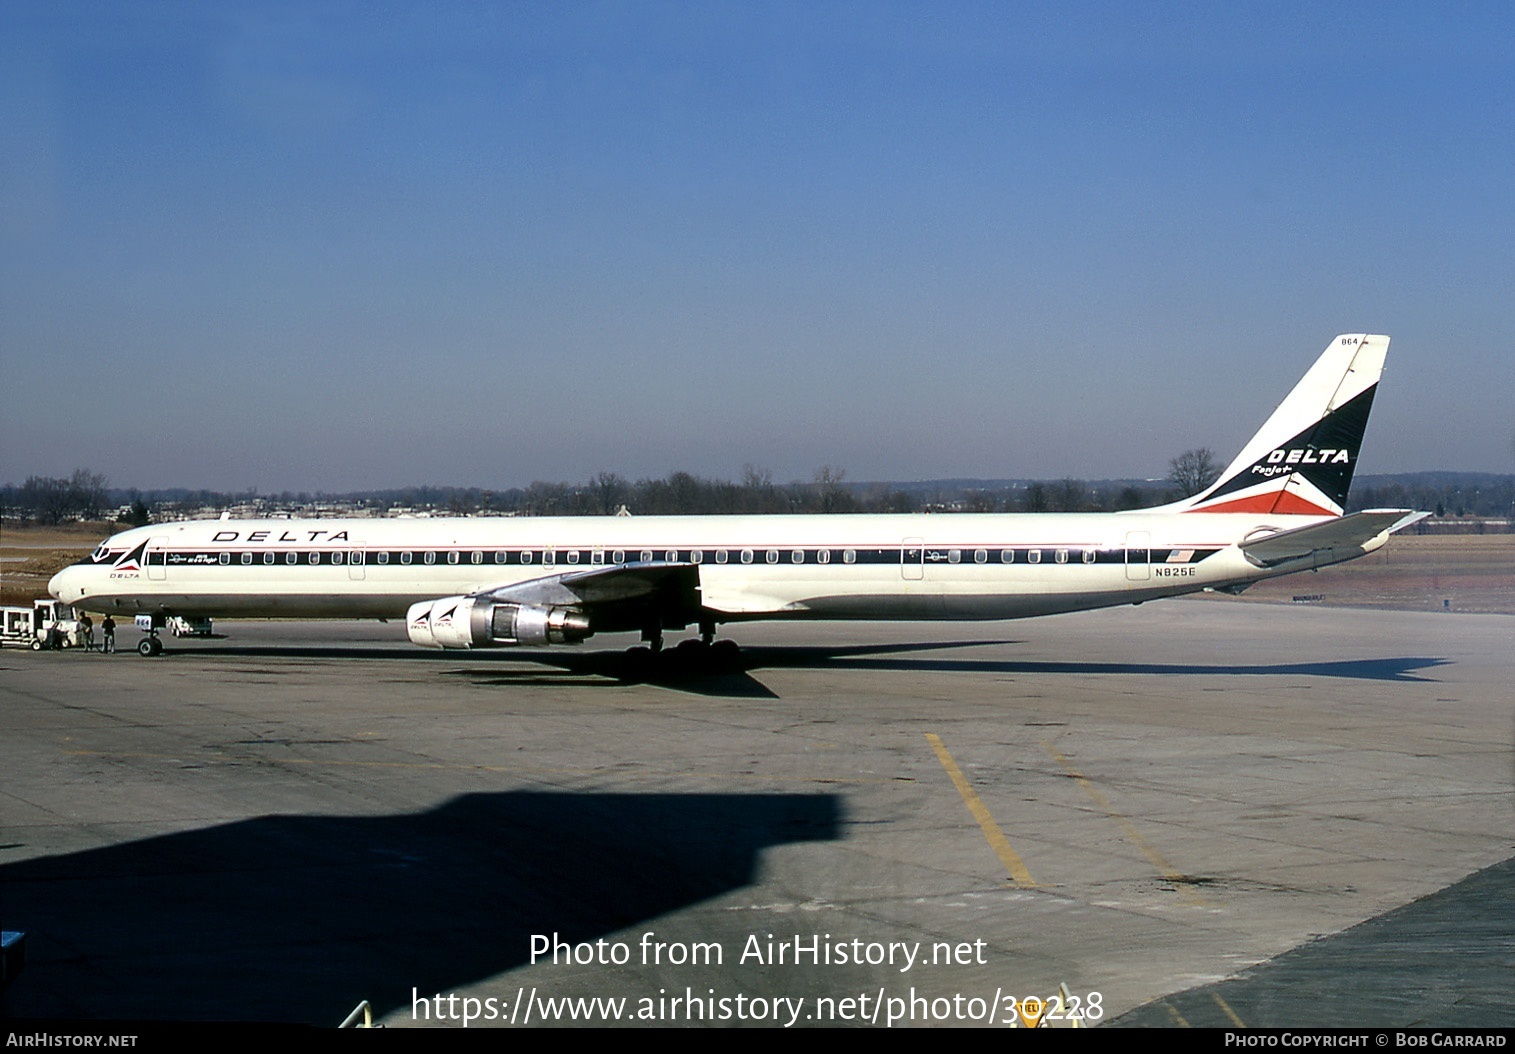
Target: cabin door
x: 913, y: 559
x: 155, y: 556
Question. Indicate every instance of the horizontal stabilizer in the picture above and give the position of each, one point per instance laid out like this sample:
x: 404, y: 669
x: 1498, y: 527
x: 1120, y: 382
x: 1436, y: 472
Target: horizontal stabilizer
x: 1330, y: 542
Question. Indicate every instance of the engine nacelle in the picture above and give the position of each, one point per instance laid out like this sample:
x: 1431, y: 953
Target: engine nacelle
x: 478, y: 622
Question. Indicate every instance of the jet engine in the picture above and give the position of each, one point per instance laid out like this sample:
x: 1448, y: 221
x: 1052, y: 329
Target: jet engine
x: 479, y: 622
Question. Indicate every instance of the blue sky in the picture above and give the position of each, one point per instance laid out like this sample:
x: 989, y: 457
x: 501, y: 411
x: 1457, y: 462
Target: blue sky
x: 338, y: 246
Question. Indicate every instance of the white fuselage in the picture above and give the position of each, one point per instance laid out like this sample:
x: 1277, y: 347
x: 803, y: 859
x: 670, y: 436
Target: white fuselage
x: 460, y: 583
x: 749, y: 567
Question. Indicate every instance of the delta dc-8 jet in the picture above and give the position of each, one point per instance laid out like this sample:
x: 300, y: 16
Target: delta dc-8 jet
x: 495, y: 582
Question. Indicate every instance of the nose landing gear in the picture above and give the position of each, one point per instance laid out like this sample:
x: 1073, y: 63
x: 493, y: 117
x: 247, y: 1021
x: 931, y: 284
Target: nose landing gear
x: 150, y: 646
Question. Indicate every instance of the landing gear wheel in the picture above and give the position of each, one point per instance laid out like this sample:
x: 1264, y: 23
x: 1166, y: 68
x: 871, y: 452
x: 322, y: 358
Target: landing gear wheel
x: 149, y: 647
x: 637, y: 665
x: 692, y: 655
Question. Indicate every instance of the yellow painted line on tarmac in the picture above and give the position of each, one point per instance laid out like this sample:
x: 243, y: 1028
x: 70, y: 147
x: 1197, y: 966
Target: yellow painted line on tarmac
x: 1178, y: 1019
x: 1165, y: 869
x: 997, y: 840
x: 1227, y: 1008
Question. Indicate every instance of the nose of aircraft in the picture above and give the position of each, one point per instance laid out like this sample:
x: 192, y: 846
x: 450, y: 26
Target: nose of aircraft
x: 65, y: 585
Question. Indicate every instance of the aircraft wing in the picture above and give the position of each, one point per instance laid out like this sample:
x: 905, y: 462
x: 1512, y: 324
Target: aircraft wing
x: 1331, y: 542
x: 617, y: 597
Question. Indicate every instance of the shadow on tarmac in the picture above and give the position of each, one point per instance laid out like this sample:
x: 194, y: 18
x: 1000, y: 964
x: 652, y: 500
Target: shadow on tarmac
x: 297, y: 918
x: 892, y: 658
x: 1442, y: 961
x: 734, y: 679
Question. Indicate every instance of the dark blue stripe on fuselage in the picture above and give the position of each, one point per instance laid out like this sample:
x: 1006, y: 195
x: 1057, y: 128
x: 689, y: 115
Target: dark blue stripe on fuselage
x: 554, y: 560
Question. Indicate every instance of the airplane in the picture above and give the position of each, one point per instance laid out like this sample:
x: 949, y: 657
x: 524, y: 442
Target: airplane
x: 464, y: 583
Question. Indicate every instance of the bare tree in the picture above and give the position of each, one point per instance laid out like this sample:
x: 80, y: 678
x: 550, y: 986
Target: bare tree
x: 1070, y: 495
x: 1193, y: 470
x: 544, y: 499
x: 830, y: 493
x: 51, y: 501
x: 610, y: 492
x: 87, y: 493
x: 1037, y: 498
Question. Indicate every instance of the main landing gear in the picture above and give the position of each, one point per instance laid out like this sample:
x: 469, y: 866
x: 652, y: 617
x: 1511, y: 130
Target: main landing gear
x: 690, y: 657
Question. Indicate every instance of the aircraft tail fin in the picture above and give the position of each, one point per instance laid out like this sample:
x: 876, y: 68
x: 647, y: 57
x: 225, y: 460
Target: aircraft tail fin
x: 1302, y: 459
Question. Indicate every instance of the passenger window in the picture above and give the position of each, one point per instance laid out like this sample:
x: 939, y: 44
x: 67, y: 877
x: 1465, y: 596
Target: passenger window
x: 1007, y: 556
x: 382, y: 558
x: 526, y: 556
x: 315, y: 558
x: 823, y: 556
x: 672, y: 556
x: 268, y: 558
x: 1033, y: 556
x: 697, y: 556
x: 291, y: 558
x: 499, y: 556
x: 618, y: 557
x: 773, y: 556
x: 452, y: 558
x: 746, y: 556
x: 406, y: 557
x: 225, y: 558
x: 596, y: 557
x: 573, y: 556
x: 798, y: 556
x: 720, y: 556
x: 476, y: 558
x: 954, y: 556
x: 646, y: 556
x: 849, y: 556
x: 1088, y: 556
x: 1062, y: 556
x: 247, y: 558
x: 336, y: 558
x: 980, y: 556
x: 429, y: 557
x: 549, y: 558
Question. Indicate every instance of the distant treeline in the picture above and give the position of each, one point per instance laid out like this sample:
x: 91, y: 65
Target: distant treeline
x: 1479, y: 494
x: 85, y: 496
x: 42, y: 499
x: 678, y: 494
x: 684, y: 494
